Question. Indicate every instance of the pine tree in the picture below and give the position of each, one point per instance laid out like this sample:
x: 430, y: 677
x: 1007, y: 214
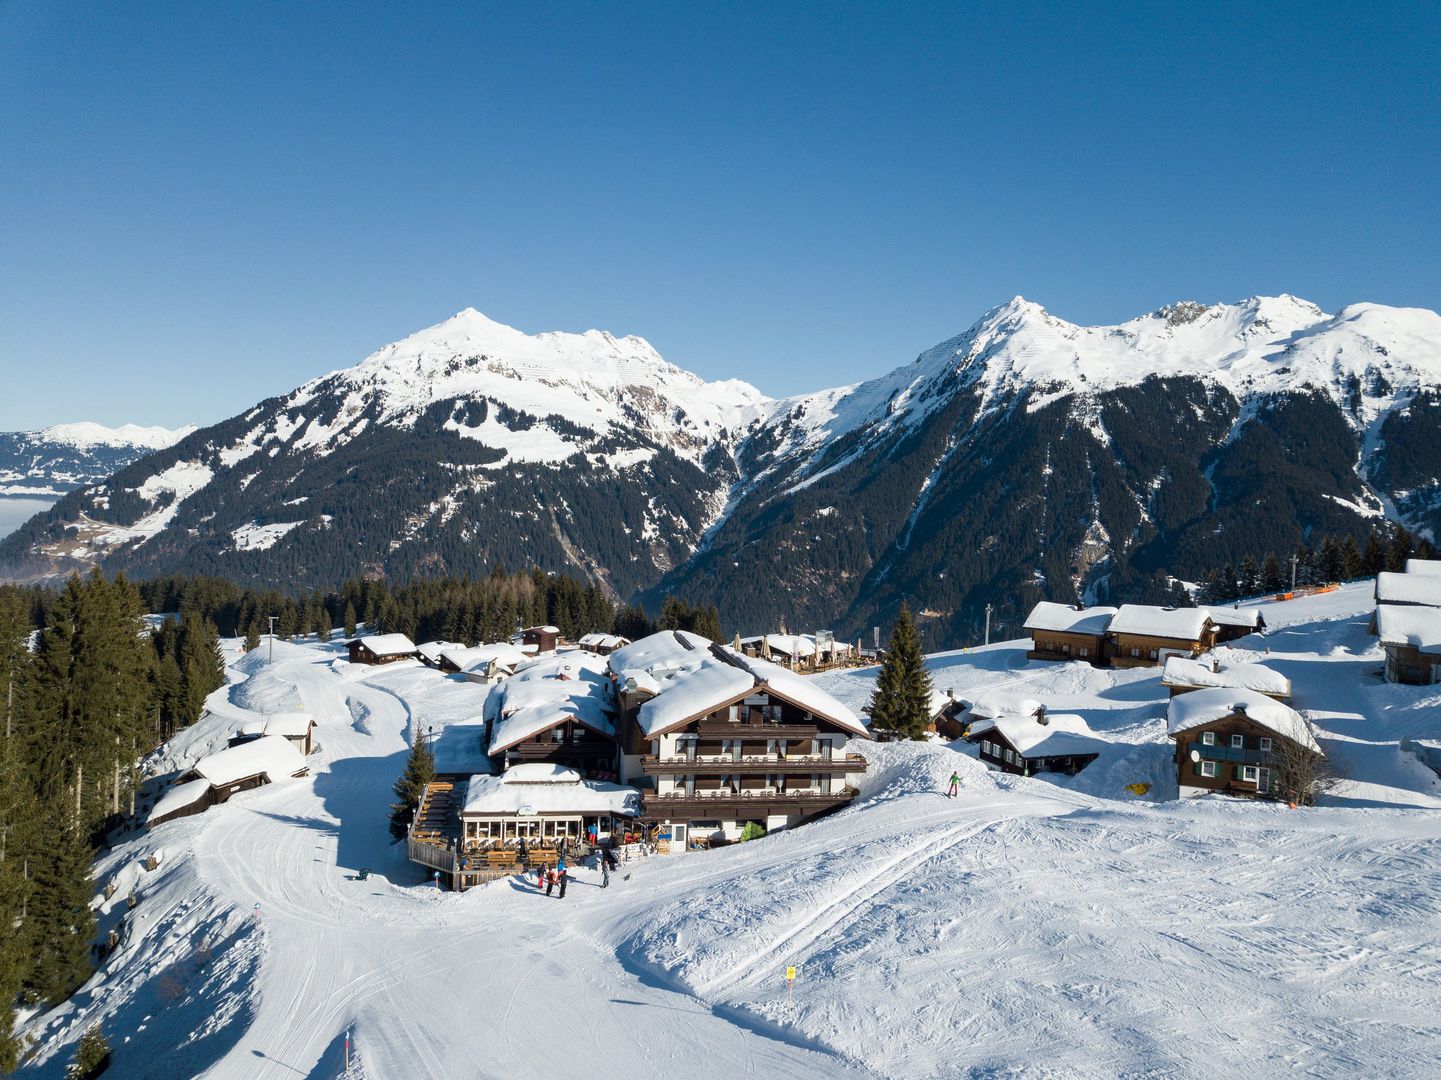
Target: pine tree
x: 252, y: 637
x: 92, y: 1055
x: 410, y: 788
x: 1374, y: 559
x: 1399, y: 549
x: 62, y: 924
x: 323, y: 626
x: 1250, y: 582
x: 1271, y: 577
x: 1353, y: 562
x: 901, y: 703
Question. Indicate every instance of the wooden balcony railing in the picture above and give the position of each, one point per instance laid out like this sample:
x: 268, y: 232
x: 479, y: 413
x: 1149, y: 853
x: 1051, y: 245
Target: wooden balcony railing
x: 752, y: 765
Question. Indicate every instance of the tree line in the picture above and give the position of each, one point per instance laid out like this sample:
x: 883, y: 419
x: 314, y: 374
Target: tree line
x: 87, y: 688
x: 1323, y: 560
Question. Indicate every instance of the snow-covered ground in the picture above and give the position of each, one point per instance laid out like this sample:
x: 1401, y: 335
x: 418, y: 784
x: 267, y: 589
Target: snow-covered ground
x: 1030, y: 927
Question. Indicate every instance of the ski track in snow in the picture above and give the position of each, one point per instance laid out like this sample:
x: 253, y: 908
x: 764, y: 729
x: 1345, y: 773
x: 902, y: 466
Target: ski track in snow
x: 1029, y: 927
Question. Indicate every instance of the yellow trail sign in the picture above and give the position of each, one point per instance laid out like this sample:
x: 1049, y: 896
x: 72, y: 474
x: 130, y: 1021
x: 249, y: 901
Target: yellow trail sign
x: 1138, y: 788
x: 790, y: 974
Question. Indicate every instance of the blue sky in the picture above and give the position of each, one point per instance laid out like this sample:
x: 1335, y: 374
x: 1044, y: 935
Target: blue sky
x: 205, y: 204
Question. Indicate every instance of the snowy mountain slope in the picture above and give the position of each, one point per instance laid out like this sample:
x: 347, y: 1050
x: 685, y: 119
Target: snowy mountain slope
x: 1026, y: 458
x: 465, y: 446
x: 54, y: 460
x: 1029, y: 452
x: 1032, y: 926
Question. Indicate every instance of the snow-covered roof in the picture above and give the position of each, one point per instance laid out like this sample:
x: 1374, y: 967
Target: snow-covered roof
x: 547, y: 692
x: 272, y: 756
x: 1418, y: 627
x: 1202, y: 707
x: 667, y: 649
x: 602, y: 641
x: 1394, y: 588
x: 1424, y: 567
x: 1181, y: 624
x: 252, y: 729
x: 431, y: 650
x: 941, y: 699
x: 801, y: 691
x: 1068, y: 619
x: 388, y: 644
x: 1247, y: 617
x: 179, y: 797
x: 555, y: 791
x: 691, y: 693
x: 994, y: 703
x: 1185, y: 671
x: 482, y: 656
x: 1062, y: 735
x: 541, y: 630
x: 291, y: 725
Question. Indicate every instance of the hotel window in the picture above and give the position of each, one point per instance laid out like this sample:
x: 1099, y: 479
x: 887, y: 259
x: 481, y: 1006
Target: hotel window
x: 1265, y: 746
x: 1208, y: 738
x: 1238, y: 742
x: 1248, y: 773
x: 1208, y: 768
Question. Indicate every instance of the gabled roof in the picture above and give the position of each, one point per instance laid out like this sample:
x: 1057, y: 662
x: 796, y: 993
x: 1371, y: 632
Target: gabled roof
x: 1061, y: 735
x: 431, y: 650
x: 602, y: 641
x: 1203, y: 707
x: 1185, y: 671
x: 547, y: 692
x: 667, y: 649
x: 386, y: 644
x: 292, y: 725
x: 179, y: 797
x: 1067, y: 619
x: 695, y: 692
x: 1247, y: 617
x: 1409, y: 589
x: 271, y: 756
x: 1180, y: 624
x: 799, y: 691
x: 1418, y: 627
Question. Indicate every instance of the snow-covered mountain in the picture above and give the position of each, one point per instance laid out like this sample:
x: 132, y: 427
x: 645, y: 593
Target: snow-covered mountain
x: 1026, y: 457
x: 50, y: 462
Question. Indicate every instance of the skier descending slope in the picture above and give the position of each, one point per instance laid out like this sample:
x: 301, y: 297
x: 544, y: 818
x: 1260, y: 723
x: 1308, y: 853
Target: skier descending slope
x: 955, y: 786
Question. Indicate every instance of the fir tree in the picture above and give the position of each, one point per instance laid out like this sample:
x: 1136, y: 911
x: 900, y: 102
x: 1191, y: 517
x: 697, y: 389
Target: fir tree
x: 410, y: 788
x: 1272, y: 579
x: 1374, y: 558
x: 62, y: 924
x: 323, y: 626
x: 252, y: 637
x: 1353, y: 562
x: 901, y: 704
x: 92, y: 1055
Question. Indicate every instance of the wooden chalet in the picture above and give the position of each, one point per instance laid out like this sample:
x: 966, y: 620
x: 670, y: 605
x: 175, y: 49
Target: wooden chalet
x: 538, y: 640
x: 1037, y: 742
x: 182, y: 800
x: 1141, y: 636
x: 1235, y: 622
x: 429, y: 652
x: 559, y: 711
x: 297, y: 728
x: 381, y: 649
x: 1229, y: 740
x: 603, y: 644
x: 948, y: 714
x: 1184, y: 674
x: 214, y: 779
x: 1409, y: 590
x: 717, y: 740
x: 1066, y: 632
x: 543, y: 804
x: 1411, y: 638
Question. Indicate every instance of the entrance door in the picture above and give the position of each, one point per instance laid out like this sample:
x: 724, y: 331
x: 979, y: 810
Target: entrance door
x: 1263, y: 782
x: 679, y: 838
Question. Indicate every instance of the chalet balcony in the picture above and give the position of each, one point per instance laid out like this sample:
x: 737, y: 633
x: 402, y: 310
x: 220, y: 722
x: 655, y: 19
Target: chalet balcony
x: 675, y: 802
x: 751, y: 765
x: 764, y: 730
x: 1226, y: 753
x: 536, y: 751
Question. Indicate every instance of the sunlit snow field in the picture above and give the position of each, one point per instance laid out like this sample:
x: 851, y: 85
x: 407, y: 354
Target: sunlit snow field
x: 1030, y: 927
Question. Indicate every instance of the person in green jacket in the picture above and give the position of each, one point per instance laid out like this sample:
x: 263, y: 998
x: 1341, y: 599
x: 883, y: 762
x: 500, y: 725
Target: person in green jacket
x: 955, y: 786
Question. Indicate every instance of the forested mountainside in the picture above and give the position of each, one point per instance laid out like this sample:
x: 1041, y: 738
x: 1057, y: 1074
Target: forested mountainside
x: 55, y: 460
x: 1026, y: 458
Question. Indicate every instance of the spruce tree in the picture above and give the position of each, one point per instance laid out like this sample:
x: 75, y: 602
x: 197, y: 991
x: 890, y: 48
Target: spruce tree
x: 1353, y: 562
x: 410, y: 788
x: 252, y: 637
x: 62, y: 924
x: 901, y: 703
x: 92, y: 1055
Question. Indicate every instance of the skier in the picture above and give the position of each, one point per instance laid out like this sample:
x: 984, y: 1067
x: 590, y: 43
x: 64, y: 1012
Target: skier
x: 563, y: 876
x: 549, y: 881
x: 604, y: 874
x: 539, y: 877
x: 955, y: 786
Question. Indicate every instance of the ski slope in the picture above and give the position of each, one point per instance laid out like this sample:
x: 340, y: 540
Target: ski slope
x: 1029, y: 927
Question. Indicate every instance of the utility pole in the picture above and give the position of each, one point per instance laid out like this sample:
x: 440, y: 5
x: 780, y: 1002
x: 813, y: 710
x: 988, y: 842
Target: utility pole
x: 988, y: 624
x: 272, y: 619
x: 1293, y: 571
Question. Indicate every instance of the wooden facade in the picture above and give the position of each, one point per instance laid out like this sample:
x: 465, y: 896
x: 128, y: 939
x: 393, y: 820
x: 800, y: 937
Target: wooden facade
x: 1144, y: 650
x: 1408, y: 664
x: 757, y: 758
x: 362, y: 653
x: 544, y: 639
x: 1064, y: 645
x: 1234, y: 756
x: 567, y: 742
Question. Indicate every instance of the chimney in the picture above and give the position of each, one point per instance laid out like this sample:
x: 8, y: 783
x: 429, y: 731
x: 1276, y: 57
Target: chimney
x: 1215, y: 664
x: 1239, y: 708
x: 1041, y: 716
